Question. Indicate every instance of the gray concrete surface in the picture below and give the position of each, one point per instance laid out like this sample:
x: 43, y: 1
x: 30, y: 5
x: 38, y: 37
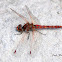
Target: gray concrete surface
x: 45, y: 48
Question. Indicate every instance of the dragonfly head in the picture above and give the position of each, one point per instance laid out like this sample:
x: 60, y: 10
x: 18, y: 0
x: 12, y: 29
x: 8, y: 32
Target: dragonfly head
x: 19, y: 28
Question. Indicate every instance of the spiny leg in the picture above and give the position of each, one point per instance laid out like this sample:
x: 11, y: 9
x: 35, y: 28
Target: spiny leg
x: 28, y: 36
x: 41, y: 33
x: 18, y: 34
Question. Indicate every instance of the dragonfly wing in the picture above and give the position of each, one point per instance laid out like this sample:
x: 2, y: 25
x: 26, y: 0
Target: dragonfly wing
x: 32, y: 17
x: 27, y: 44
x: 20, y: 16
x: 21, y: 46
x: 35, y: 43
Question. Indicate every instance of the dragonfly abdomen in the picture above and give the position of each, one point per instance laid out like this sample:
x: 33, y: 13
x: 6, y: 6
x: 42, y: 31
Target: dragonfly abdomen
x: 45, y: 27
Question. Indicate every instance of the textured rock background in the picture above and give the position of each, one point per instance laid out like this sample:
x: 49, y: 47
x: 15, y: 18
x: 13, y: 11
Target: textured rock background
x: 48, y: 12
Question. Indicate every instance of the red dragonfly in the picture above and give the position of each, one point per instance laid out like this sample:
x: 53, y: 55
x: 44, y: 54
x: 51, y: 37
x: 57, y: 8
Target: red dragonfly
x: 27, y: 27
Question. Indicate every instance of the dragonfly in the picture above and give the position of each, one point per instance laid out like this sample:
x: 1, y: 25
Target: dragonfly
x: 33, y: 26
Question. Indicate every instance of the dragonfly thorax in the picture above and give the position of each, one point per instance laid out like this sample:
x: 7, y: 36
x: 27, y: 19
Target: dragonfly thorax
x: 26, y: 27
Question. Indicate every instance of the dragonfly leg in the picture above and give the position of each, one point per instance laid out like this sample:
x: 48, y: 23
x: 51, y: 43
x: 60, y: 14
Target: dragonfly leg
x: 28, y: 36
x: 18, y: 34
x: 41, y: 33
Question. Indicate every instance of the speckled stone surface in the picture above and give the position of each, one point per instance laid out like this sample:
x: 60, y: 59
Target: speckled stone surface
x: 45, y: 48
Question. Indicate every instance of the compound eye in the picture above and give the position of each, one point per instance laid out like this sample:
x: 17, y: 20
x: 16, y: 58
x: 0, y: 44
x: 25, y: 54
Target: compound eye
x: 19, y: 27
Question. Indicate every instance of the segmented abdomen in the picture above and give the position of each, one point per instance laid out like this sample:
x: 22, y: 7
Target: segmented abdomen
x: 45, y: 27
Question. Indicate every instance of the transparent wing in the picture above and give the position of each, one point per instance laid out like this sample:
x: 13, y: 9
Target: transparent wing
x: 20, y: 16
x: 28, y: 43
x: 34, y: 20
x: 20, y: 45
x: 35, y: 43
